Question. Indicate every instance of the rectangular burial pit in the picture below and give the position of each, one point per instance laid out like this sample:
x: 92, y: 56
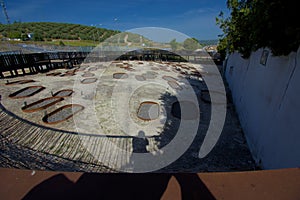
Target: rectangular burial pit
x: 169, y: 78
x: 88, y: 74
x: 26, y: 92
x: 185, y: 110
x: 62, y: 114
x: 41, y: 104
x: 63, y: 93
x: 19, y: 82
x: 53, y: 74
x: 148, y: 110
x: 120, y: 75
x: 88, y: 80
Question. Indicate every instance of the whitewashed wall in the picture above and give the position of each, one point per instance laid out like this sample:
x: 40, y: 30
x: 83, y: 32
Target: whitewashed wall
x: 267, y: 100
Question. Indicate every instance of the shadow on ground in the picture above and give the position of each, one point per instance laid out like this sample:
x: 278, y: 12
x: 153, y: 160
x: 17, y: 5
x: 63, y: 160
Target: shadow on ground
x: 118, y: 186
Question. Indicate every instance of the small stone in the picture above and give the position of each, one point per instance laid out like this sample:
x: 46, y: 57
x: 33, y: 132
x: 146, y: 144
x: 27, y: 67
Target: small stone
x: 33, y: 173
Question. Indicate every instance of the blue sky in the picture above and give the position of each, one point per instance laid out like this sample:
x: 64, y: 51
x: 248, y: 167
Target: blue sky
x: 194, y: 18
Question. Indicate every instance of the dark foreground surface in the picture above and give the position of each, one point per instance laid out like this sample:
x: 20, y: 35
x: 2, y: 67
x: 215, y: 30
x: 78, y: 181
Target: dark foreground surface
x: 265, y: 184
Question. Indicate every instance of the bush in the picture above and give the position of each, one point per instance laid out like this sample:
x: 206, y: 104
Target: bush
x: 260, y: 23
x: 38, y: 36
x: 191, y: 44
x: 61, y: 43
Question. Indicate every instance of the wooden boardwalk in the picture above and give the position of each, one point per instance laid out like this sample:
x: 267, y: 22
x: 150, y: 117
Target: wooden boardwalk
x: 70, y: 146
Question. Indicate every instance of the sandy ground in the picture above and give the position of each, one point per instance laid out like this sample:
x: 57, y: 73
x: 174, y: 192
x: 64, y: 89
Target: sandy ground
x: 110, y: 105
x: 112, y: 95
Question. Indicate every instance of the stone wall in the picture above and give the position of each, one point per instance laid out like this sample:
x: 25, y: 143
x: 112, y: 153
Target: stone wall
x: 267, y: 100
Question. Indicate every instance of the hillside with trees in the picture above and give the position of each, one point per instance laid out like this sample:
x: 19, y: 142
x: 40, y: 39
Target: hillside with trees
x: 190, y: 44
x: 65, y: 34
x: 48, y: 31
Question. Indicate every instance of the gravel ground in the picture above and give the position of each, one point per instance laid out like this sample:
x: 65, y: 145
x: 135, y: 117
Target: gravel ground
x: 230, y: 154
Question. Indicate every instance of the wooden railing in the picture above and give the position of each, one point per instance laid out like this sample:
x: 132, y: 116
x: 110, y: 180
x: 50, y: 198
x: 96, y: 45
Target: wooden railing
x: 22, y: 64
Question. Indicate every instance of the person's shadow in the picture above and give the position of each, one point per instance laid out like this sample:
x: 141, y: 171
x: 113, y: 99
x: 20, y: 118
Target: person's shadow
x: 140, y: 143
x: 148, y: 186
x: 139, y: 147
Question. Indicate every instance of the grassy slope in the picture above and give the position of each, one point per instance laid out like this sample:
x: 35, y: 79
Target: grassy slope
x: 69, y: 34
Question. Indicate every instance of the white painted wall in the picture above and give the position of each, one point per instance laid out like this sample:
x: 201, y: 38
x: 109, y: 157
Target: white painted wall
x: 267, y: 100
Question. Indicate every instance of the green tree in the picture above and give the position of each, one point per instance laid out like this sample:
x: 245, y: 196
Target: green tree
x: 37, y: 36
x: 260, y: 23
x: 24, y: 37
x: 191, y: 44
x: 14, y: 34
x: 61, y: 43
x: 174, y: 44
